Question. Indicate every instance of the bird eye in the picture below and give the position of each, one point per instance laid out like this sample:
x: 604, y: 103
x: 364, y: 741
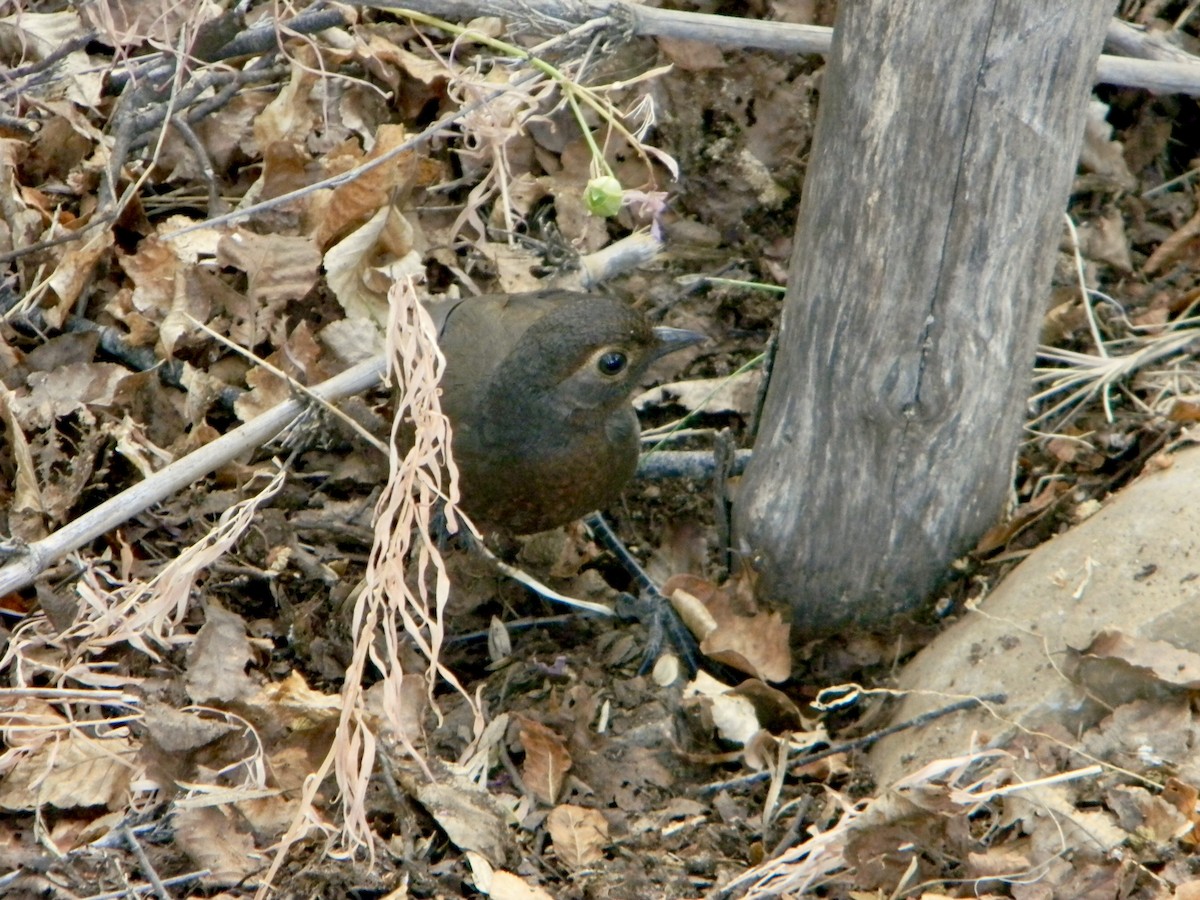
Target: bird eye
x: 612, y: 362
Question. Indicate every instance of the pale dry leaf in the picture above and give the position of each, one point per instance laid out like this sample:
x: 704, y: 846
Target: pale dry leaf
x: 126, y: 22
x: 133, y: 444
x: 754, y: 641
x: 270, y: 812
x: 278, y: 267
x: 547, y: 759
x: 579, y: 834
x: 70, y: 771
x: 352, y: 340
x: 757, y: 645
x: 359, y: 286
x: 1100, y: 153
x: 482, y: 871
x: 290, y: 114
x: 153, y: 269
x: 514, y: 267
x: 715, y: 396
x: 75, y: 271
x: 1142, y: 813
x: 211, y: 840
x: 1050, y: 814
x: 733, y: 716
x: 71, y: 389
x: 297, y: 706
x: 177, y: 731
x: 1104, y: 239
x: 1170, y: 664
x: 27, y: 495
x: 499, y: 641
x: 479, y: 755
x: 507, y: 886
x: 391, y: 62
x: 216, y: 665
x: 38, y: 35
x: 299, y: 358
x: 470, y: 816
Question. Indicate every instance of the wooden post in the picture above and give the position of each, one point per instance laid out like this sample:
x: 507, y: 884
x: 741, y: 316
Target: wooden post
x: 945, y: 146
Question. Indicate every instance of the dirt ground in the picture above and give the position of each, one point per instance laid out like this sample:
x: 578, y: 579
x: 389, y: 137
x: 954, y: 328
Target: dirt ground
x: 199, y: 698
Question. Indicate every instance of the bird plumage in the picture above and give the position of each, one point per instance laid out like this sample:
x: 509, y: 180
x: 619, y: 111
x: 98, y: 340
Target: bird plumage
x: 537, y: 390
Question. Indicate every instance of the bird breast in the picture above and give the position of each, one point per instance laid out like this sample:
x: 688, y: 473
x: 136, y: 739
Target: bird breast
x: 552, y: 476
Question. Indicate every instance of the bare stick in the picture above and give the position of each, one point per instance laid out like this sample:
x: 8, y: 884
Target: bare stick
x: 162, y: 484
x: 861, y: 743
x: 1179, y: 72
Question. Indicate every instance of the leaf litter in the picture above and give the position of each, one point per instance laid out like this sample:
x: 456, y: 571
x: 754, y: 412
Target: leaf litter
x: 181, y: 680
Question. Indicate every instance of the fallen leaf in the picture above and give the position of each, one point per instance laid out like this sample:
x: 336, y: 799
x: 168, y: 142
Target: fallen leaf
x: 579, y: 834
x: 546, y: 759
x: 218, y: 657
x: 507, y: 886
x: 69, y: 771
x: 212, y: 841
x: 1170, y: 664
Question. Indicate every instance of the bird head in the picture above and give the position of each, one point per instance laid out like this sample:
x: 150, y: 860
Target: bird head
x: 587, y: 355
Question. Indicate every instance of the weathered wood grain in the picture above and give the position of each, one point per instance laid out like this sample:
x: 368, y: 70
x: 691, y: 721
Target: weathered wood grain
x: 945, y: 146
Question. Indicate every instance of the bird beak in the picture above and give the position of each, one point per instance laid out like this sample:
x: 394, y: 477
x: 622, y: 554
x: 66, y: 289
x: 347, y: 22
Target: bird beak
x: 672, y: 339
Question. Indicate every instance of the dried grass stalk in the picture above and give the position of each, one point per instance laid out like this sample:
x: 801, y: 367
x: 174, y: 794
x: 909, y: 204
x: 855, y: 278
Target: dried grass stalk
x: 407, y: 586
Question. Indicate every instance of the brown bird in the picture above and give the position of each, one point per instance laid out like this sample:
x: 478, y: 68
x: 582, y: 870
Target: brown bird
x: 537, y: 390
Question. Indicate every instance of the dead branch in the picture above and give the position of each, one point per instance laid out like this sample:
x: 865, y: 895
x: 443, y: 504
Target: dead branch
x: 1161, y: 68
x: 37, y: 556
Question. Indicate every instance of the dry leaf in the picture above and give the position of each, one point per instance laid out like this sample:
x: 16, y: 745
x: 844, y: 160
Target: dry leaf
x: 546, y: 759
x: 212, y: 840
x: 471, y: 817
x: 507, y: 886
x: 1170, y: 664
x: 351, y: 265
x: 1100, y: 153
x: 753, y: 641
x: 579, y: 834
x: 71, y: 770
x: 278, y: 267
x: 734, y: 717
x: 715, y: 396
x: 217, y: 659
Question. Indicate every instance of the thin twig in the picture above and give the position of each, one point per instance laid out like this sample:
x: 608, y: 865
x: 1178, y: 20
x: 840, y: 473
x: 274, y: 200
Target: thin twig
x: 14, y: 76
x: 148, y: 869
x: 142, y: 889
x: 262, y: 37
x: 162, y: 484
x: 861, y: 743
x: 437, y: 129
